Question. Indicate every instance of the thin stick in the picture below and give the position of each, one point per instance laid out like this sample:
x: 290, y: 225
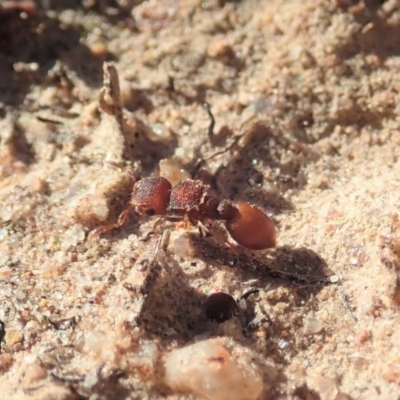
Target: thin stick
x: 110, y: 101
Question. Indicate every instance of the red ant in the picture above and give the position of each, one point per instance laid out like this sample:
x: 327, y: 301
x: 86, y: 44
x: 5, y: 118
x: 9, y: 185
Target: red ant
x: 190, y: 199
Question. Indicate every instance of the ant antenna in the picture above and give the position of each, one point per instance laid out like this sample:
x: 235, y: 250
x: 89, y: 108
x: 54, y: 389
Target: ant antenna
x: 121, y: 167
x: 244, y: 128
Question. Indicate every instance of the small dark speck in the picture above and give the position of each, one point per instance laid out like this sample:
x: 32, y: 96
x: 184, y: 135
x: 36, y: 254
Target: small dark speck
x: 2, y: 331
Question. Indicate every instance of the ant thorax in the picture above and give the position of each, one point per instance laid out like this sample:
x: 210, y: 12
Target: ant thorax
x: 191, y: 197
x: 187, y: 197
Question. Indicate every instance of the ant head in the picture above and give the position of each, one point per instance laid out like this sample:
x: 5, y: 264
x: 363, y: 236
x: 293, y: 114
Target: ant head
x: 248, y: 225
x: 150, y: 196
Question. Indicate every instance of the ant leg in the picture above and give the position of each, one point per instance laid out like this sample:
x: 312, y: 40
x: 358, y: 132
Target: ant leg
x: 221, y: 235
x: 121, y: 167
x: 132, y: 176
x: 116, y: 164
x: 245, y: 132
x: 121, y: 221
x: 153, y: 230
x: 159, y: 222
x: 248, y: 293
x: 186, y: 223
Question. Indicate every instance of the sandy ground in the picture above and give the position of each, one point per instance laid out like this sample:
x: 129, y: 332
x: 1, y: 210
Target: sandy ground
x: 305, y: 95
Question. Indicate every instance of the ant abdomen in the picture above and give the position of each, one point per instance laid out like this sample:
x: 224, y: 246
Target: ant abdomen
x: 248, y: 225
x: 150, y: 196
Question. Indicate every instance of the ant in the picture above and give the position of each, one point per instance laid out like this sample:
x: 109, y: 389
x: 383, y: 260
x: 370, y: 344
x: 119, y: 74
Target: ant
x: 190, y: 200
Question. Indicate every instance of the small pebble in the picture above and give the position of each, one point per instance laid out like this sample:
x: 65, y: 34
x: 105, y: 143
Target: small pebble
x: 220, y: 306
x: 33, y: 374
x: 283, y: 344
x: 312, y: 326
x: 91, y: 380
x: 182, y: 246
x: 172, y: 170
x: 72, y: 237
x: 5, y: 361
x: 209, y: 370
x: 5, y: 273
x: 20, y: 295
x: 90, y: 209
x: 219, y: 47
x: 334, y: 278
x: 325, y: 387
x: 98, y: 49
x: 13, y: 337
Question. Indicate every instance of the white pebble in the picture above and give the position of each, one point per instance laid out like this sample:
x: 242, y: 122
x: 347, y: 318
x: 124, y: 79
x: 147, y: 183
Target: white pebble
x: 213, y: 370
x: 100, y: 211
x: 72, y: 237
x: 20, y: 295
x: 334, y: 278
x: 182, y: 246
x: 3, y: 233
x: 172, y: 170
x: 312, y: 326
x: 90, y: 380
